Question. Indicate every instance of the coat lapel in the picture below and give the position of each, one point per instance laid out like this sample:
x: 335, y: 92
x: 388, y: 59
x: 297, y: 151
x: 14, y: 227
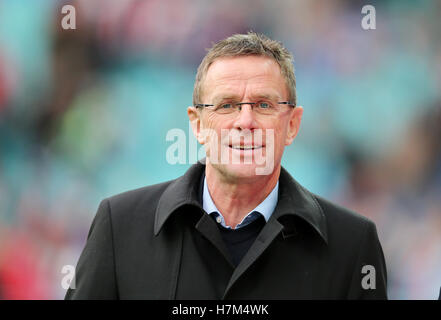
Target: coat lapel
x: 294, y: 201
x: 208, y: 228
x: 269, y: 232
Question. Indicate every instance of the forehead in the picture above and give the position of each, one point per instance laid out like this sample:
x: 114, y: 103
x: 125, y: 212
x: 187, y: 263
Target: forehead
x: 245, y: 75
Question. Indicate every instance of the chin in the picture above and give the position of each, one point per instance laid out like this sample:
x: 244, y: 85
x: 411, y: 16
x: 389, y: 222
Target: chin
x: 243, y: 164
x: 235, y: 172
x: 241, y: 170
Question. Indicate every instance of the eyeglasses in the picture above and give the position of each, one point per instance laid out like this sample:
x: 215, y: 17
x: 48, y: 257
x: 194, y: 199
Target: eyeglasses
x: 261, y: 107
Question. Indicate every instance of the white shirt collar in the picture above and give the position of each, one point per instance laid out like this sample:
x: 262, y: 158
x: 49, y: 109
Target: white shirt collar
x: 265, y: 208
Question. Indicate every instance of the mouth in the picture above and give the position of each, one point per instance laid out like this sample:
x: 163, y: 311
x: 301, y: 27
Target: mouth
x: 245, y: 147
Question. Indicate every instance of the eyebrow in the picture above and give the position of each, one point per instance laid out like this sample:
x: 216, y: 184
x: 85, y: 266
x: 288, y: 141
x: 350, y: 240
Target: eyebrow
x: 220, y: 97
x: 266, y: 96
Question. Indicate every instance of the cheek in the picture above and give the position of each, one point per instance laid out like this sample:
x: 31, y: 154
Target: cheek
x: 209, y: 121
x: 211, y: 128
x: 279, y: 128
x: 280, y: 136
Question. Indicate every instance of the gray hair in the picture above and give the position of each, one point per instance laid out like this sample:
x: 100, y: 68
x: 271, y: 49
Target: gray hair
x: 243, y: 45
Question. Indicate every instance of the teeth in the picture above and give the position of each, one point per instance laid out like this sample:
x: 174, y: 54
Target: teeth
x: 246, y: 147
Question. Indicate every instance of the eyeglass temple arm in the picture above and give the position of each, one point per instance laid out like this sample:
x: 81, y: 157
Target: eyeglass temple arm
x: 200, y: 105
x: 287, y: 103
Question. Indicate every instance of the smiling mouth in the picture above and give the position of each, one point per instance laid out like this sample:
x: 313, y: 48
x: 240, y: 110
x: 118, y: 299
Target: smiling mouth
x: 243, y: 147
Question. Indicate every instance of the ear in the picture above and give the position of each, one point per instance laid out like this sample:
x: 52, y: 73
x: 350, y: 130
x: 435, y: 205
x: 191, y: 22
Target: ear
x: 294, y: 124
x: 194, y: 115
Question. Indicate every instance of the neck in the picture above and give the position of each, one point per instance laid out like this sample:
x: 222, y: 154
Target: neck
x: 236, y: 197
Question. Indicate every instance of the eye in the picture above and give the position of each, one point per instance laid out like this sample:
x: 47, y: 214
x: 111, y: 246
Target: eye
x: 225, y: 106
x: 264, y: 105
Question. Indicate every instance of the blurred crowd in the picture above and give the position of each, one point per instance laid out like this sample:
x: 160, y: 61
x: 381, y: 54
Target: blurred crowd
x: 84, y: 114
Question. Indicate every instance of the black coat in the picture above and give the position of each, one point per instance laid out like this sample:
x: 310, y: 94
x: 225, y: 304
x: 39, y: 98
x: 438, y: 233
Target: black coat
x: 158, y: 243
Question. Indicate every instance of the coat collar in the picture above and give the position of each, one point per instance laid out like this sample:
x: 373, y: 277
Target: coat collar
x: 294, y: 200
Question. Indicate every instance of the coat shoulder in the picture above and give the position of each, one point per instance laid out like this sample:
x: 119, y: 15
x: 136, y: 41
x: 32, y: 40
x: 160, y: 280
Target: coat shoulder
x: 343, y: 221
x: 143, y: 199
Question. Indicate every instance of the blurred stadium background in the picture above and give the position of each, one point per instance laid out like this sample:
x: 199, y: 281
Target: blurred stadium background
x: 84, y: 115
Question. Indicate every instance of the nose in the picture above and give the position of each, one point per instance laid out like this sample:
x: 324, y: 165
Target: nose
x: 246, y: 118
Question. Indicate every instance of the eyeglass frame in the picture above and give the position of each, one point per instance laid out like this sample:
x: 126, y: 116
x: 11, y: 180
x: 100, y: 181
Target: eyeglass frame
x: 202, y: 105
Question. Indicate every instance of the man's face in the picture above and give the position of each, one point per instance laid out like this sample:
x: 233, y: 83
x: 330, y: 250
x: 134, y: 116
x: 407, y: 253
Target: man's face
x: 240, y: 153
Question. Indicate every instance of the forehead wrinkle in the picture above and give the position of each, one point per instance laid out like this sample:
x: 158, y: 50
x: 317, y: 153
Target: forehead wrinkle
x: 230, y: 82
x: 252, y: 97
x: 251, y: 91
x: 268, y: 96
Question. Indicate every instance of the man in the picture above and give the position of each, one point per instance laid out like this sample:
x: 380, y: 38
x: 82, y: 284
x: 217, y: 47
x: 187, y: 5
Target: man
x: 238, y: 226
